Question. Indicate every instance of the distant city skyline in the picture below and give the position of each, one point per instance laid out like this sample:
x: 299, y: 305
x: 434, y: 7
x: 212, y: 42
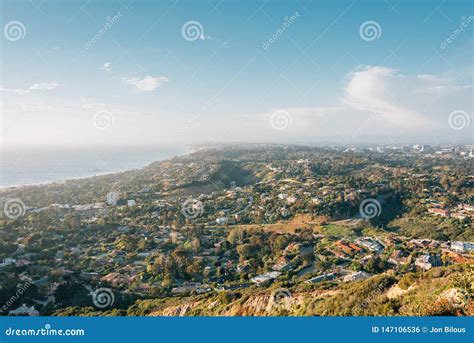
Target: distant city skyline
x: 181, y: 72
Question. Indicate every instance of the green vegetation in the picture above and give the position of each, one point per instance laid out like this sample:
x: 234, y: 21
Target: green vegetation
x: 260, y: 219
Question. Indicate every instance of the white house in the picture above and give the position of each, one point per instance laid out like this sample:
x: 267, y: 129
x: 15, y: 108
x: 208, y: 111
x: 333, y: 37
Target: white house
x: 262, y: 278
x: 7, y: 261
x: 462, y: 246
x: 24, y: 310
x: 356, y: 276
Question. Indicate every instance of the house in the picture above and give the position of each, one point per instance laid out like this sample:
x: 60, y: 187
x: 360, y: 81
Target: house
x: 7, y: 262
x: 370, y: 243
x: 190, y: 287
x: 282, y: 264
x: 419, y: 243
x: 221, y: 288
x: 90, y: 276
x: 438, y: 211
x: 131, y: 203
x: 222, y: 220
x: 339, y: 254
x: 356, y: 276
x: 398, y: 258
x: 462, y: 247
x: 466, y: 207
x: 427, y: 261
x: 265, y: 278
x: 320, y: 278
x: 24, y: 310
x: 116, y: 279
x: 348, y: 248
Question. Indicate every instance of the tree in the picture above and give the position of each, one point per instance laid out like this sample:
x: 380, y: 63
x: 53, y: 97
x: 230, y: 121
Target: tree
x: 72, y: 221
x: 245, y: 251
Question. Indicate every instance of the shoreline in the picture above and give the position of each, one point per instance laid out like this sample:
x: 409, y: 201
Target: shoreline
x: 186, y: 151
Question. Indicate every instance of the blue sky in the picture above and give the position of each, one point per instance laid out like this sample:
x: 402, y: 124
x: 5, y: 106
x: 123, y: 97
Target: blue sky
x: 319, y: 79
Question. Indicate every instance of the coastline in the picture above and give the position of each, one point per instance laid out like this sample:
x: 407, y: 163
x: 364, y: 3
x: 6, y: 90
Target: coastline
x: 184, y: 151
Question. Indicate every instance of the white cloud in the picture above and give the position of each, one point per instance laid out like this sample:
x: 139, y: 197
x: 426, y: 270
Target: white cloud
x: 36, y: 107
x: 377, y: 90
x: 147, y: 84
x: 377, y: 103
x: 406, y: 101
x: 34, y: 87
x: 44, y: 86
x: 93, y: 106
x: 107, y: 66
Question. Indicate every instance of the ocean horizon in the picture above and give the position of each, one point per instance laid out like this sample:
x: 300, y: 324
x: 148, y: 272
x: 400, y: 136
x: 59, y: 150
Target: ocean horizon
x: 22, y: 166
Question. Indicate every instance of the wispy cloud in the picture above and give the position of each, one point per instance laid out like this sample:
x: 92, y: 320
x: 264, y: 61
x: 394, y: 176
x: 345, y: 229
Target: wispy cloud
x: 34, y: 87
x: 407, y: 101
x: 379, y: 101
x: 147, y: 84
x: 107, y: 66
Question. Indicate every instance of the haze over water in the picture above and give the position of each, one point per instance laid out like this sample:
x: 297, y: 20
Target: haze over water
x: 19, y: 166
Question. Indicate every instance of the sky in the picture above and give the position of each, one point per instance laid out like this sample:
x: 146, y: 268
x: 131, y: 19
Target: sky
x: 89, y: 72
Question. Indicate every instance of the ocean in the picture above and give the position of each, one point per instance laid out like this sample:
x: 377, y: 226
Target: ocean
x: 26, y: 166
